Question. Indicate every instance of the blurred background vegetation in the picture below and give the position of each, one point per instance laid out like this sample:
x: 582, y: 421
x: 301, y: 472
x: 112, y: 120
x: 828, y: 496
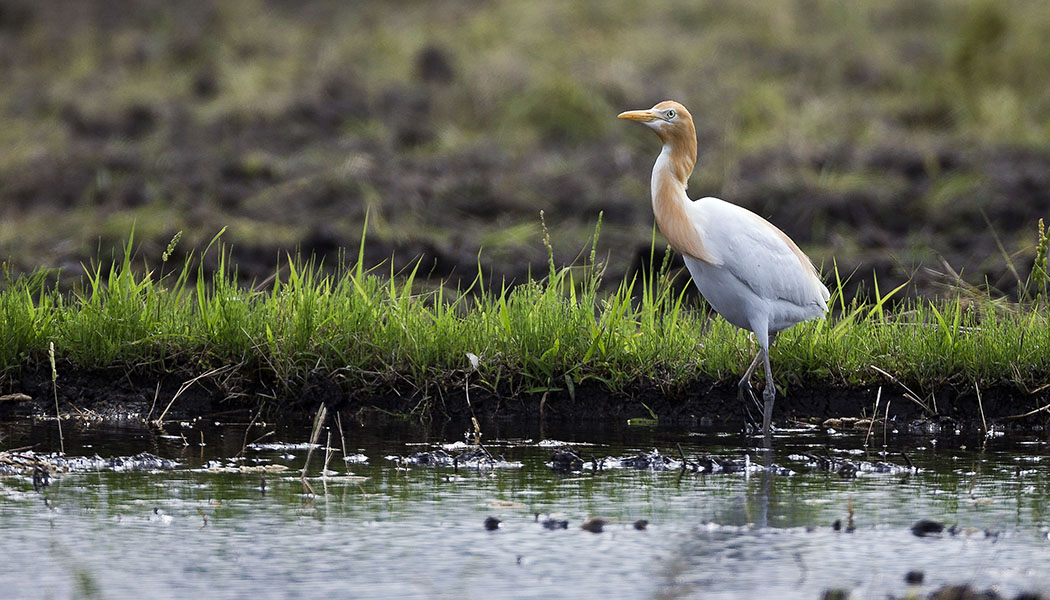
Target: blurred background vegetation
x: 889, y: 134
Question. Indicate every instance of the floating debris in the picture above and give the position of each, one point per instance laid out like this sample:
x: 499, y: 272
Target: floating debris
x: 654, y: 461
x: 158, y: 516
x: 933, y: 426
x: 475, y: 457
x: 427, y: 458
x: 848, y: 468
x: 969, y: 532
x: 594, y: 524
x: 966, y: 592
x: 27, y: 462
x: 283, y: 446
x: 216, y: 466
x: 927, y: 528
x: 478, y: 457
x: 850, y: 527
x: 550, y: 523
x: 565, y: 460
x: 843, y: 423
x: 931, y: 528
x: 560, y: 444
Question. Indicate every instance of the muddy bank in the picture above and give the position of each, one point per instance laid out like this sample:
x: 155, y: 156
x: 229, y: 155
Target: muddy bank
x: 115, y: 394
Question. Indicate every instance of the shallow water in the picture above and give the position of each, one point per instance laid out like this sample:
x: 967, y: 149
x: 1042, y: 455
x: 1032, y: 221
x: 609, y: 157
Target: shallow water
x: 417, y: 532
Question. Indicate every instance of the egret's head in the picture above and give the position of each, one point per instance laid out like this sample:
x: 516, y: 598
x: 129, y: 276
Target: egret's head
x: 668, y: 119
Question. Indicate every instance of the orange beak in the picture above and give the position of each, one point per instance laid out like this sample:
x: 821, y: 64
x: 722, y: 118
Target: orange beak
x: 644, y: 116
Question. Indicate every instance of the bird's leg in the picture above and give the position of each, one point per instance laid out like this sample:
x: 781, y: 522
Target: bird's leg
x: 770, y: 392
x: 745, y: 382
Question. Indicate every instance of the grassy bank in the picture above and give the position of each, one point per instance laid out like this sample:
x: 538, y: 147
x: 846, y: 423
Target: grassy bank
x: 369, y: 329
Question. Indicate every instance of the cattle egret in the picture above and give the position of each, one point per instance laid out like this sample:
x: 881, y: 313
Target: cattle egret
x: 749, y: 271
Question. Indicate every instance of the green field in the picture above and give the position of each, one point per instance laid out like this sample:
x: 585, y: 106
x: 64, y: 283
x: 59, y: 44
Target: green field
x: 882, y: 134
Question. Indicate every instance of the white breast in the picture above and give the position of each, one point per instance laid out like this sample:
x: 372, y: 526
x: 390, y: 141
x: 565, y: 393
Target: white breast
x: 759, y: 280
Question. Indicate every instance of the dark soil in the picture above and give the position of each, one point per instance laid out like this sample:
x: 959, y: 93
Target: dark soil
x: 438, y: 207
x: 116, y: 394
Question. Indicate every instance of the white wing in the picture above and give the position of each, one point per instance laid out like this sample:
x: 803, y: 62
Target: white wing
x: 757, y: 253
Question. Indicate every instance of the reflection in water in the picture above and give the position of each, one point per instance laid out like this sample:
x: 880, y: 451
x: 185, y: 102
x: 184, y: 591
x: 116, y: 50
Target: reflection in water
x: 767, y: 484
x: 219, y: 527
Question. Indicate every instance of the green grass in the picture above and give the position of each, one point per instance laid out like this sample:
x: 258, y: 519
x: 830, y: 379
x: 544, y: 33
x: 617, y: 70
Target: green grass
x: 372, y: 329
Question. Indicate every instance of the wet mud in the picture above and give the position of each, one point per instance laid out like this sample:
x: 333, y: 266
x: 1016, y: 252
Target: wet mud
x: 116, y: 394
x: 461, y: 198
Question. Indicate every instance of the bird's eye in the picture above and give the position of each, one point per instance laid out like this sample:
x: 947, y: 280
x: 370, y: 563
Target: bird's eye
x: 670, y: 114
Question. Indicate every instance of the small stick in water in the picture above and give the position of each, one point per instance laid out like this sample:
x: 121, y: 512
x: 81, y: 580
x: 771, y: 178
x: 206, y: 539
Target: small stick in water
x: 322, y: 411
x: 874, y: 416
x: 980, y: 406
x: 342, y: 440
x: 849, y: 519
x: 907, y: 460
x: 885, y: 422
x: 54, y: 388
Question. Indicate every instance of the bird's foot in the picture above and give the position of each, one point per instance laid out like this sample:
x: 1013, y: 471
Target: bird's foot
x: 745, y: 390
x: 752, y: 423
